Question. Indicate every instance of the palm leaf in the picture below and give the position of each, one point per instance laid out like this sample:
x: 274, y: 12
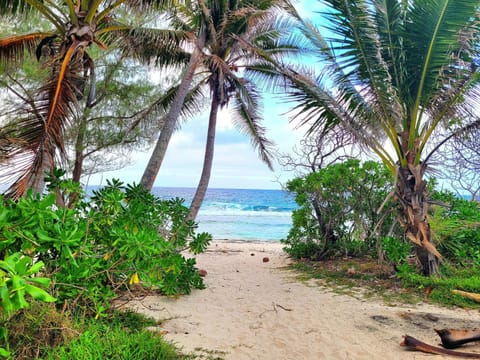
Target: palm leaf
x: 158, y: 46
x: 246, y: 117
x: 14, y: 48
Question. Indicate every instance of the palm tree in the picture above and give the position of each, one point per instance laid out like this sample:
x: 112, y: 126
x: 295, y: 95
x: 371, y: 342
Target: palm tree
x: 223, y: 51
x: 235, y: 31
x: 39, y: 124
x: 401, y: 76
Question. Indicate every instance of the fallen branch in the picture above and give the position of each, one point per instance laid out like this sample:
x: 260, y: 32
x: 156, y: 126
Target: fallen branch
x: 468, y: 295
x: 452, y: 338
x: 415, y: 344
x: 283, y: 308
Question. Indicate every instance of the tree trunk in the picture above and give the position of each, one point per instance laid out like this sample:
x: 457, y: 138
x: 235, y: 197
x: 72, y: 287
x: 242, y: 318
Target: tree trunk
x: 156, y: 159
x: 79, y: 147
x: 412, y: 194
x: 207, y: 161
x: 36, y: 182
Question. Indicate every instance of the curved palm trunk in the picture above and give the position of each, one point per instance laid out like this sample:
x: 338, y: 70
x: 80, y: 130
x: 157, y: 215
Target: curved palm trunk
x: 412, y: 194
x: 156, y: 159
x: 207, y: 161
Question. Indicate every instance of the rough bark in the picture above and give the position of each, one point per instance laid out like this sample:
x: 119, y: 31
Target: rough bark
x: 156, y: 159
x: 207, y: 162
x: 36, y: 181
x: 412, y: 194
x: 79, y: 147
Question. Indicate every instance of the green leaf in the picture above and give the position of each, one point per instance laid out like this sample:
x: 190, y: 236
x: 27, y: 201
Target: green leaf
x: 45, y: 282
x: 4, y: 352
x: 35, y: 268
x: 39, y: 294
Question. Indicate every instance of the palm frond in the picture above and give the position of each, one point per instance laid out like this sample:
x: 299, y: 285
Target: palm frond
x: 14, y: 48
x: 430, y: 37
x: 247, y: 117
x: 355, y: 47
x: 14, y: 7
x: 39, y: 126
x: 156, y: 46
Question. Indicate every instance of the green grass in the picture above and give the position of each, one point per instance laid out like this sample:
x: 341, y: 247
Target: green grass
x: 363, y: 277
x: 42, y: 332
x: 100, y: 341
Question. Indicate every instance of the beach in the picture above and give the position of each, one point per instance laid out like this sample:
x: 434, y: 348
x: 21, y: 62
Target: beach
x: 256, y: 308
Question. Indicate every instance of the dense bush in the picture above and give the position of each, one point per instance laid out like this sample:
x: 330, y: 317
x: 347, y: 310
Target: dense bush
x: 456, y: 228
x: 338, y: 210
x: 121, y: 237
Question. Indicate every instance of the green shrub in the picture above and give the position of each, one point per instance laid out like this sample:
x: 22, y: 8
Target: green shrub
x: 337, y: 213
x: 121, y: 237
x: 456, y: 229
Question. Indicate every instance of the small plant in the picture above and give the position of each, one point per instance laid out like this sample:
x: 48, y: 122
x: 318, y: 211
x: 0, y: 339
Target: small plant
x: 18, y: 281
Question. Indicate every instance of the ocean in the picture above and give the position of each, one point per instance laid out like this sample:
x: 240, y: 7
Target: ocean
x: 245, y: 214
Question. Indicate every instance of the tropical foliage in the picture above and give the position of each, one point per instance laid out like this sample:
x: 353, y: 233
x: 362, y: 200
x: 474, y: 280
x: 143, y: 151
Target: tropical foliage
x: 399, y: 76
x: 35, y: 136
x: 337, y: 212
x: 455, y: 226
x: 119, y: 239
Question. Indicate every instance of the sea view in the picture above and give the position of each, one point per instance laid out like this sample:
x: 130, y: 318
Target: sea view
x: 248, y: 214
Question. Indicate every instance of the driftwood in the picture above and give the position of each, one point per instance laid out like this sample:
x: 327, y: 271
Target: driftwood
x: 415, y: 344
x: 452, y: 338
x: 468, y: 295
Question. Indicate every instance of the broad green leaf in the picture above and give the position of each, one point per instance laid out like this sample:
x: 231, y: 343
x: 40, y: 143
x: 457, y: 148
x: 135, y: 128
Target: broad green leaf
x: 39, y: 294
x: 45, y: 282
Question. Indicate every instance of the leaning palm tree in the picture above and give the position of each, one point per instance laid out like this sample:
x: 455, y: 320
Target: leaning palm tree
x: 40, y: 122
x: 224, y: 31
x: 400, y: 76
x: 235, y: 30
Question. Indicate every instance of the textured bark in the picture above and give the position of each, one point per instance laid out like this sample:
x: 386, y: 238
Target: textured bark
x: 412, y: 194
x: 156, y: 159
x: 207, y: 162
x: 79, y: 147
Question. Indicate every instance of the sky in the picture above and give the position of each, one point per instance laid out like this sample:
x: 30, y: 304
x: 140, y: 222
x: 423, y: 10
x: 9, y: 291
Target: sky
x: 236, y: 163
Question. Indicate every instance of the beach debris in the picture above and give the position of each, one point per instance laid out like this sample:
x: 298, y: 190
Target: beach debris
x: 415, y: 344
x: 468, y: 295
x: 453, y: 338
x: 202, y: 272
x: 252, y: 254
x: 265, y: 259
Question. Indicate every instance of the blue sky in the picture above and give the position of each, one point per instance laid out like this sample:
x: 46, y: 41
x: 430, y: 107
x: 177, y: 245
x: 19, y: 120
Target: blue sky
x: 236, y: 163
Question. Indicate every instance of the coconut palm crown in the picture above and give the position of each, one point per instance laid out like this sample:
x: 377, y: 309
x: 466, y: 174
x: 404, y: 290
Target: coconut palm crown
x: 401, y: 76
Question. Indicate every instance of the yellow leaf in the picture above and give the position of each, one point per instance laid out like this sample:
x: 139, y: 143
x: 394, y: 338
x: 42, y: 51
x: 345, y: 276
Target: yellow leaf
x: 134, y: 279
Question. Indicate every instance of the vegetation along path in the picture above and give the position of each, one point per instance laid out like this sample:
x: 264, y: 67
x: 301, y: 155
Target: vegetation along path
x: 256, y: 309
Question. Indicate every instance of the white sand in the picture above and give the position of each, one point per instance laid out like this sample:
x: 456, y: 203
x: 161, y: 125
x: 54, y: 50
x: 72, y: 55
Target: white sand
x: 257, y: 310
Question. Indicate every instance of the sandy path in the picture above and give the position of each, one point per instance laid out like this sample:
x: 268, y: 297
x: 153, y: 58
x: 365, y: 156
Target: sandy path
x: 256, y: 310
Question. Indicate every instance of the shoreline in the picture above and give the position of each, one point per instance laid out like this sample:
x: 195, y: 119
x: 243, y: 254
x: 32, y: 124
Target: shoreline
x: 255, y: 308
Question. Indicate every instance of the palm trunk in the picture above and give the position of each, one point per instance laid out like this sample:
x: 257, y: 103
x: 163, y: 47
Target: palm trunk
x: 411, y: 190
x: 79, y: 147
x: 156, y: 159
x: 207, y: 162
x: 37, y: 181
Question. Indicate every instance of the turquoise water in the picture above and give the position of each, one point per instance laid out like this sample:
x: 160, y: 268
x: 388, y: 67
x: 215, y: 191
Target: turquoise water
x: 240, y: 213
